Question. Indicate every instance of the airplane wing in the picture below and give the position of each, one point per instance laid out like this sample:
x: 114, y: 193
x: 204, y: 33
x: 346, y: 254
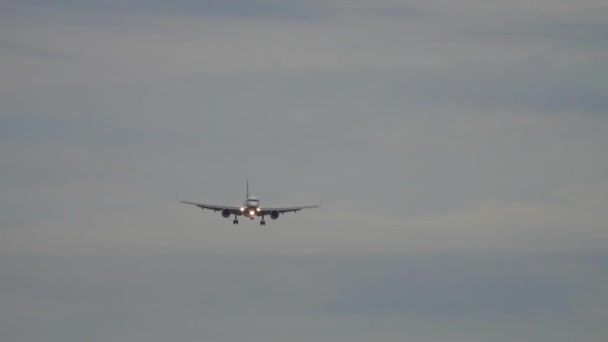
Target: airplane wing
x: 233, y: 210
x: 267, y: 211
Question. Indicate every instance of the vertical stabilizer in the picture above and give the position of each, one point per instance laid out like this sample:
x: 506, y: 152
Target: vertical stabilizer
x: 247, y: 189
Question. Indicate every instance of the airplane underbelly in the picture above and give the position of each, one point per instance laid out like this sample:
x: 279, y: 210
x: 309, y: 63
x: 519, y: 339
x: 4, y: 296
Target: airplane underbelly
x: 250, y: 211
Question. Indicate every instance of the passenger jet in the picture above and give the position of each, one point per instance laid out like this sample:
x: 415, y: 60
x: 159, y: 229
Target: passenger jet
x: 250, y: 208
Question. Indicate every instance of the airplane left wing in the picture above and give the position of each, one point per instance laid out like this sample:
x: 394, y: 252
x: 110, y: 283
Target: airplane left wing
x: 268, y: 211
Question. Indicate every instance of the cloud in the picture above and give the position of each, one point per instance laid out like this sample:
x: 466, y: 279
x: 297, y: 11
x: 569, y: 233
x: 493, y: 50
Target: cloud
x: 127, y: 46
x: 457, y: 146
x: 232, y: 8
x: 424, y: 177
x: 382, y: 295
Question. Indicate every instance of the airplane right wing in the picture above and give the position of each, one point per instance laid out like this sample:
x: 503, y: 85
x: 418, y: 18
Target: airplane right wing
x: 233, y: 210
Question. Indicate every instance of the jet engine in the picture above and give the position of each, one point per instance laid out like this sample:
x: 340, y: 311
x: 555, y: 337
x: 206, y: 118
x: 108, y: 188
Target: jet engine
x: 274, y: 214
x: 226, y: 213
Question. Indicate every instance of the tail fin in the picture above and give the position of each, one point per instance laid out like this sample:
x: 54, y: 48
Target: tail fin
x: 247, y: 189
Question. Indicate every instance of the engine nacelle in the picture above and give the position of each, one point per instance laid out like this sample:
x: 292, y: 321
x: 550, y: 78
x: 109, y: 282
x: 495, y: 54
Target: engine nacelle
x: 274, y: 214
x: 226, y: 213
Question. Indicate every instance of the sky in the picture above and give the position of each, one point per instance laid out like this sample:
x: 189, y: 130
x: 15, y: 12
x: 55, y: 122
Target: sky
x: 459, y: 148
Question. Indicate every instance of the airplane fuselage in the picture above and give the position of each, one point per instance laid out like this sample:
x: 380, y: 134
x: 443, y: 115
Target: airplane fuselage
x: 251, y: 206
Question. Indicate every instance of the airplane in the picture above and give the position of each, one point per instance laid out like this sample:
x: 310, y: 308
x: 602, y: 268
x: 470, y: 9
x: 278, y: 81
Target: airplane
x: 250, y: 208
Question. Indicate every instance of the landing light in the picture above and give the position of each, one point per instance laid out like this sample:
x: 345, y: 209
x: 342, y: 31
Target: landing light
x: 259, y: 209
x: 242, y: 209
x: 251, y: 212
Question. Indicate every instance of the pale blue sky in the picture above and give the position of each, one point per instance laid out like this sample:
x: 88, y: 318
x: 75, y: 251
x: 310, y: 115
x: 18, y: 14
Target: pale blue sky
x: 460, y: 147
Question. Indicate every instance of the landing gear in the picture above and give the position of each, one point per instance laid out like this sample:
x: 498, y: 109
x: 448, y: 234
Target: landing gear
x: 262, y: 223
x: 235, y: 221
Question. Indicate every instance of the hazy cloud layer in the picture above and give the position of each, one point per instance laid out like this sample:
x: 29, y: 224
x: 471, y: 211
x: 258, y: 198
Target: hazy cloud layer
x: 460, y: 297
x: 445, y: 138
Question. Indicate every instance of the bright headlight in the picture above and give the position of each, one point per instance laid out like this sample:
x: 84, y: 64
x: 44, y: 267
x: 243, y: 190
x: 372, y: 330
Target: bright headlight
x: 242, y: 209
x: 251, y: 212
x: 259, y: 209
